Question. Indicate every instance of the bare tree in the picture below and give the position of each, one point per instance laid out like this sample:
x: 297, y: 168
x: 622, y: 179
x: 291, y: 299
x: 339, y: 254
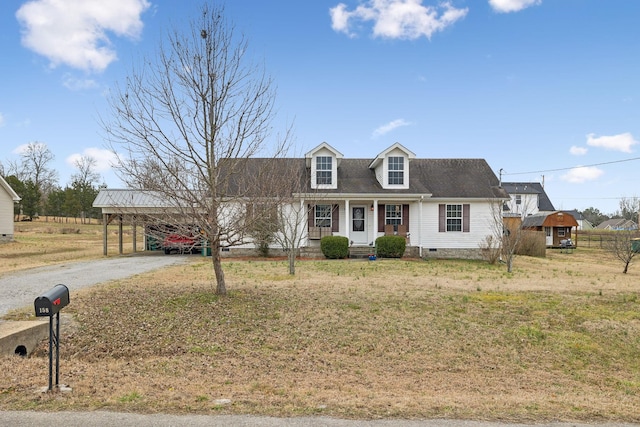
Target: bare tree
x: 623, y: 246
x: 83, y: 190
x: 34, y: 170
x: 291, y: 226
x: 292, y: 212
x: 630, y: 208
x: 184, y: 119
x: 86, y: 174
x: 35, y: 165
x: 507, y: 233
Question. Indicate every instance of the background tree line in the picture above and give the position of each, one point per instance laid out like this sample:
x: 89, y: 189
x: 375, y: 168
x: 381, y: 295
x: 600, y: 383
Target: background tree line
x: 629, y: 208
x: 36, y: 182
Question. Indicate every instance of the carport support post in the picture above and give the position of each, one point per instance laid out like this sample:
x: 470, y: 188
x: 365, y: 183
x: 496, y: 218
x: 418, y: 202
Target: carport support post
x: 105, y: 219
x: 120, y: 236
x: 135, y: 243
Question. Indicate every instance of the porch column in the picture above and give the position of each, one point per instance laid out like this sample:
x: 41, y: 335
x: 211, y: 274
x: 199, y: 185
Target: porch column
x: 375, y: 221
x: 347, y: 220
x: 304, y: 223
x: 420, y: 226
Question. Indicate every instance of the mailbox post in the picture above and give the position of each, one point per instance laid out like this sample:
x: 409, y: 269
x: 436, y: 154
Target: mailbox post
x: 49, y: 305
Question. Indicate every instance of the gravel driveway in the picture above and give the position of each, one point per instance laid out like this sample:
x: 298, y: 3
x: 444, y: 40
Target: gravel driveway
x: 22, y: 288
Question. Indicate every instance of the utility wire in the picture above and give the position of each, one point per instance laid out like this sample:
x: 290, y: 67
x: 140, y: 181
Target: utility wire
x: 573, y: 167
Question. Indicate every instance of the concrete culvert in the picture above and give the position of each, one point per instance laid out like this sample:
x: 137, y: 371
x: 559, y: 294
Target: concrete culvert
x: 21, y: 351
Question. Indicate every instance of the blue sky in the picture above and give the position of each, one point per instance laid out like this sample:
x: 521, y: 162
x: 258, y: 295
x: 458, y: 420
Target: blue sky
x: 545, y: 90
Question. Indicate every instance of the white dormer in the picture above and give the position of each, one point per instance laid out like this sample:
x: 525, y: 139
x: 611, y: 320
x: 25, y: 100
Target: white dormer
x: 392, y: 167
x: 323, y: 162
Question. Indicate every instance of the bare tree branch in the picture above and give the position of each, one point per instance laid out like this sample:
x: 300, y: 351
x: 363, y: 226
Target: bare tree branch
x: 180, y: 119
x: 623, y: 246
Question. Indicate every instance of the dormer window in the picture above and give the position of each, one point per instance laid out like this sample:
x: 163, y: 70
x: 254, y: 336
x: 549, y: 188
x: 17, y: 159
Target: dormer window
x: 392, y: 167
x: 324, y: 170
x: 323, y: 163
x: 396, y: 170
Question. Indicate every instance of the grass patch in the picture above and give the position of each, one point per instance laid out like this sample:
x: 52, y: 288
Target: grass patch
x: 351, y: 339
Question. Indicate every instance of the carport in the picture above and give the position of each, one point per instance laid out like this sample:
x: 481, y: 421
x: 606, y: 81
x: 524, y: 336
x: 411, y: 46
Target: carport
x: 133, y: 207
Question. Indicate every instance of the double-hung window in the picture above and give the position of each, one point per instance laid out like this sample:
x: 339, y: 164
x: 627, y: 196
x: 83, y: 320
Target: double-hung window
x: 323, y: 170
x: 396, y: 170
x: 454, y: 217
x: 323, y: 216
x: 393, y: 214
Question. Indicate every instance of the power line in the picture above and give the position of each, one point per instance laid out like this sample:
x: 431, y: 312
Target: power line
x: 573, y: 167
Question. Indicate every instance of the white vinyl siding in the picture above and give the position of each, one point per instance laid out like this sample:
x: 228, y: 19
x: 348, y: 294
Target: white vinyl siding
x: 6, y: 213
x: 480, y: 221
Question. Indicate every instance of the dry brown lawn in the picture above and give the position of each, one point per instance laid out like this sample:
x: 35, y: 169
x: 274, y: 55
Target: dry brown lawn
x: 42, y: 243
x: 559, y: 339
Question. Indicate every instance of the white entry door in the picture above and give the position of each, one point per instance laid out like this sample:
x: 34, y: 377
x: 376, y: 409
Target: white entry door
x: 549, y: 235
x: 359, y: 225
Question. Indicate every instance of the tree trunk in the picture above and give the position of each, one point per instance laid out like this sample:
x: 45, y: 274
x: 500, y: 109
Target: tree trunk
x: 626, y: 267
x: 292, y: 262
x: 221, y: 286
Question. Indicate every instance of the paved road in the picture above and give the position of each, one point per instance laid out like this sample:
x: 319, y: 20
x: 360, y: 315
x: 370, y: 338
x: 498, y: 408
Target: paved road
x: 21, y: 289
x: 107, y: 419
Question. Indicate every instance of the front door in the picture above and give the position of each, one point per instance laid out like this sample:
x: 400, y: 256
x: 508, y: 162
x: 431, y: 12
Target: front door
x: 359, y: 225
x: 549, y: 236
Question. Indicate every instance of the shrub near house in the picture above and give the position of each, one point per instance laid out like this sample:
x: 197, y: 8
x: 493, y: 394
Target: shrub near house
x: 390, y: 246
x: 335, y: 247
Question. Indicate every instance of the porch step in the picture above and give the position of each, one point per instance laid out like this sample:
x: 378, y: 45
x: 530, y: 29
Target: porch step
x: 360, y: 251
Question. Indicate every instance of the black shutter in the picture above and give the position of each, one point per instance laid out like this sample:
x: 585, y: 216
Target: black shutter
x: 335, y: 218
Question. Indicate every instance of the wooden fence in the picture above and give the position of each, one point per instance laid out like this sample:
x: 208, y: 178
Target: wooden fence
x: 597, y: 238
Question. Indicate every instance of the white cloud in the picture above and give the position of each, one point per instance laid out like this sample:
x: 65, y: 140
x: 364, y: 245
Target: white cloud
x: 582, y: 174
x: 578, y: 151
x: 74, y: 83
x: 506, y: 6
x: 397, y: 19
x: 622, y: 142
x: 75, y: 32
x: 1, y: 120
x: 389, y: 127
x: 105, y: 159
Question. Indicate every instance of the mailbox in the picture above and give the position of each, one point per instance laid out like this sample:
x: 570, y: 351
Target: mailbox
x: 52, y: 301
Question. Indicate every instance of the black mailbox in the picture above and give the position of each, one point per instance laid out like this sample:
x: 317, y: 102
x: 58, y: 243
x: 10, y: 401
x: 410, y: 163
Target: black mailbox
x: 52, y: 301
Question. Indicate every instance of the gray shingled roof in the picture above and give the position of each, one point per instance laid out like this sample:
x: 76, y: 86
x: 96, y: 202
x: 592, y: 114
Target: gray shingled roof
x: 618, y: 224
x: 440, y: 178
x: 544, y: 203
x: 536, y: 220
x: 459, y: 178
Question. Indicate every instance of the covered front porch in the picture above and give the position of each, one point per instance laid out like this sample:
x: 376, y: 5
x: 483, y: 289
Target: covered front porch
x: 362, y: 221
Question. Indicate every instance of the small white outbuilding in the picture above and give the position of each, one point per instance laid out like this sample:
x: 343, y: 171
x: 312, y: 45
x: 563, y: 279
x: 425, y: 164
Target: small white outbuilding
x: 8, y: 198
